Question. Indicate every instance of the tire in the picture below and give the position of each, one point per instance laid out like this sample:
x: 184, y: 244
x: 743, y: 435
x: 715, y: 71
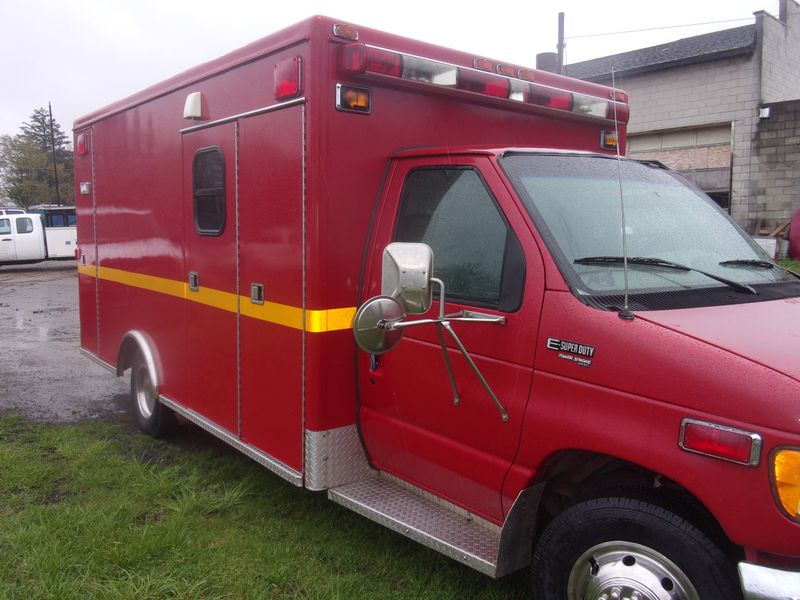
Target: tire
x: 616, y: 547
x: 152, y: 417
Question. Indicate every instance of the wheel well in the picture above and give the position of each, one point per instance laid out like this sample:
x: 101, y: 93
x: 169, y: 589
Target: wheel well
x: 133, y: 343
x: 576, y: 475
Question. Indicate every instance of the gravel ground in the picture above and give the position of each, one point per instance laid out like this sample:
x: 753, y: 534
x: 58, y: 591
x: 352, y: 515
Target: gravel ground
x: 43, y: 376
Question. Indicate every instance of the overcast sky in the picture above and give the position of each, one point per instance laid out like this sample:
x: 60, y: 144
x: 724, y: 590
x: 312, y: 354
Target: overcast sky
x: 83, y: 54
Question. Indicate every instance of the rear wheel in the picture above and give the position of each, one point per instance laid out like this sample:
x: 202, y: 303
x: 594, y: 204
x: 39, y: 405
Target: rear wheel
x: 628, y: 549
x: 152, y: 417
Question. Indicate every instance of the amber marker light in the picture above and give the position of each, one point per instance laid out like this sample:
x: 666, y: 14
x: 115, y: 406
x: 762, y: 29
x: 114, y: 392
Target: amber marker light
x: 484, y: 64
x: 345, y: 31
x: 786, y: 479
x: 353, y: 99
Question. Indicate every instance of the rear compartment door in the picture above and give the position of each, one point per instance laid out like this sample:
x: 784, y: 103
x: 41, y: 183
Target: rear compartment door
x: 409, y: 421
x: 209, y: 160
x: 271, y: 283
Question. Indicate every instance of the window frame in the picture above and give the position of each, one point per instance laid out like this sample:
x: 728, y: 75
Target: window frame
x: 513, y: 270
x: 205, y: 192
x: 20, y: 220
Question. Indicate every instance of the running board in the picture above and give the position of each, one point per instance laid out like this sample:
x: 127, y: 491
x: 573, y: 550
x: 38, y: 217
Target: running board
x: 425, y: 519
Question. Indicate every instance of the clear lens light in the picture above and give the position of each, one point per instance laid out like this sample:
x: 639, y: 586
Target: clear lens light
x: 786, y: 470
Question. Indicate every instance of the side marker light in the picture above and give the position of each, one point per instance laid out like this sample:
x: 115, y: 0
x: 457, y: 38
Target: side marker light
x: 720, y: 441
x: 353, y: 99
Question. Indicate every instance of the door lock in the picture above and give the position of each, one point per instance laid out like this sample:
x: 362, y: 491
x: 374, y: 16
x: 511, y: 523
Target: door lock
x: 194, y: 281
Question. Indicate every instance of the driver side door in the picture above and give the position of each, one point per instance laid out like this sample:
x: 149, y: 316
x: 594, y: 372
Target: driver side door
x: 409, y: 421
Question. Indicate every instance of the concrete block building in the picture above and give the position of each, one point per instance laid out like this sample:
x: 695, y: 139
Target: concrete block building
x: 723, y: 109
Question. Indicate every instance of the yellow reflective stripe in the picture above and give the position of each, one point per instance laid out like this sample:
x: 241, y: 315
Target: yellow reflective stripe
x: 334, y: 319
x: 317, y: 321
x: 214, y: 298
x: 280, y: 314
x: 89, y: 270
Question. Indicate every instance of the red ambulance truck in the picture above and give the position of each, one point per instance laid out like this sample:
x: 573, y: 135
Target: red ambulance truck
x: 427, y: 283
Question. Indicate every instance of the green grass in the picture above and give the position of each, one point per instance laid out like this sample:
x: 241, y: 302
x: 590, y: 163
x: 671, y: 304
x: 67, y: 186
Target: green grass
x: 97, y: 510
x: 794, y: 265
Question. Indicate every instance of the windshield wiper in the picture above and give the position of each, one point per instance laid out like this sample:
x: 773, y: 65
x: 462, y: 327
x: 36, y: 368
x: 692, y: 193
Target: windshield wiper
x: 755, y: 262
x: 660, y: 262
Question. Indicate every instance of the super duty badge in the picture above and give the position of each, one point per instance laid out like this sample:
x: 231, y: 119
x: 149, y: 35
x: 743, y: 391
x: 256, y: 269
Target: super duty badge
x: 580, y: 354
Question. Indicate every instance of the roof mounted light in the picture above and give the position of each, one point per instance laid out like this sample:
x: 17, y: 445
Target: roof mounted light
x: 366, y: 60
x: 482, y: 83
x: 345, y: 31
x: 484, y: 64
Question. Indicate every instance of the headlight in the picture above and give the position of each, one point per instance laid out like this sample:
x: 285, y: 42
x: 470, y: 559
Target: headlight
x: 786, y: 479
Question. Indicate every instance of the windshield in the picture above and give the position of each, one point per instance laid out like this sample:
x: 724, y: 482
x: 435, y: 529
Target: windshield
x: 575, y: 201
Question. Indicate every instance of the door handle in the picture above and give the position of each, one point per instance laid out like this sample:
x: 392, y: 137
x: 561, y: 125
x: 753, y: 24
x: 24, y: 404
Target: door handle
x: 6, y: 239
x: 194, y: 281
x: 257, y: 293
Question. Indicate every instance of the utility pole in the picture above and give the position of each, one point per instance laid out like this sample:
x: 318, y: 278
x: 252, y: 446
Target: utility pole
x: 53, y: 146
x: 560, y: 46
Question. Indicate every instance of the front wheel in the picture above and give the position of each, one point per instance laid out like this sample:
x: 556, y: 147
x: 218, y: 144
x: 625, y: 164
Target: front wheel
x: 152, y: 417
x: 628, y: 549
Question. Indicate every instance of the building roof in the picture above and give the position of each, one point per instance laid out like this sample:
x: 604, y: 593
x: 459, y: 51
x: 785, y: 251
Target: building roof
x: 699, y: 48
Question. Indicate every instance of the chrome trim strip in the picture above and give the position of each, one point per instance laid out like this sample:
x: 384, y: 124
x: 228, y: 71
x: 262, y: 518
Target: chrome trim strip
x: 334, y: 457
x: 96, y: 359
x: 244, y: 115
x: 755, y: 439
x: 257, y: 455
x: 765, y: 583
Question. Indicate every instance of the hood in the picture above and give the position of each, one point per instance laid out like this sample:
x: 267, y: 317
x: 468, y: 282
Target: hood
x: 767, y: 333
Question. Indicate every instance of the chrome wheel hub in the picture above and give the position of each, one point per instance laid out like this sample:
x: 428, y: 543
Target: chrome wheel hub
x: 144, y: 391
x: 627, y: 571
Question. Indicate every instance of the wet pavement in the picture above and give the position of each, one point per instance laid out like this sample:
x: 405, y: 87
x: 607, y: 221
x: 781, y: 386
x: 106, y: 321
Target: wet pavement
x: 42, y: 373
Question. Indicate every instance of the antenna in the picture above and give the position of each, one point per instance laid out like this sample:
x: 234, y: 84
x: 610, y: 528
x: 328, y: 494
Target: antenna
x: 626, y: 312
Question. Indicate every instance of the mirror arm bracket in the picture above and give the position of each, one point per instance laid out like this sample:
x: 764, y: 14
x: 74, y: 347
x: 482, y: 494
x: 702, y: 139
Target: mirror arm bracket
x: 478, y: 374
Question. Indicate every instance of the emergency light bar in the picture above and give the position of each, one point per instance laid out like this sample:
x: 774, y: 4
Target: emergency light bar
x: 363, y: 59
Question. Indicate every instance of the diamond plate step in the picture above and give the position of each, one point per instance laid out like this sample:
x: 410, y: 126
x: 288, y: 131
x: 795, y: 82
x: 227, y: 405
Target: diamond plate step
x: 423, y: 519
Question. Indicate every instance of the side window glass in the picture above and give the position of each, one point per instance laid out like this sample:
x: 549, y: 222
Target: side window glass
x: 452, y: 211
x: 5, y: 226
x: 71, y: 220
x: 24, y: 225
x: 208, y: 190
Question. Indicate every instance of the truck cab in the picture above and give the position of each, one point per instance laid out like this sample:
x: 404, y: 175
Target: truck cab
x: 611, y: 354
x: 22, y: 238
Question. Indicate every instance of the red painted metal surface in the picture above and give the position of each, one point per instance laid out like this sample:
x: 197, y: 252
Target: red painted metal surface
x: 409, y: 422
x: 644, y: 379
x: 211, y: 337
x: 84, y: 210
x: 271, y: 254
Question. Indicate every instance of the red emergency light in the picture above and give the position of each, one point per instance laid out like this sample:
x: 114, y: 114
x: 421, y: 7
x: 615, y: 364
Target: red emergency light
x: 719, y: 441
x: 363, y: 59
x: 288, y: 78
x: 83, y: 144
x: 482, y: 83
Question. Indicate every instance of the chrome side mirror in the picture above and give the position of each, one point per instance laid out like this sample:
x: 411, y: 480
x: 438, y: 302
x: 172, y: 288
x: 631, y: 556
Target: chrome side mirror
x: 406, y: 276
x: 373, y: 324
x: 406, y: 280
